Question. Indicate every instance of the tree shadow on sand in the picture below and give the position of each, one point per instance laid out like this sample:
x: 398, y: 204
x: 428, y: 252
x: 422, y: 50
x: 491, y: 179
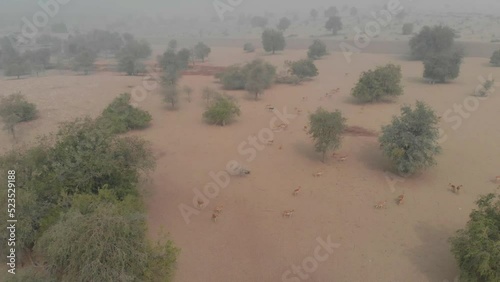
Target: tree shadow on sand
x: 433, y: 256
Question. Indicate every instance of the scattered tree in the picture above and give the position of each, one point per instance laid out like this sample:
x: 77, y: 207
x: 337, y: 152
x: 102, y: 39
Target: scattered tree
x: 171, y: 95
x: 334, y: 24
x: 201, y: 51
x: 326, y: 129
x: 411, y: 140
x: 443, y: 66
x: 303, y: 69
x: 273, y: 40
x: 284, y: 24
x: 317, y: 50
x: 407, y: 28
x: 485, y: 88
x: 259, y: 76
x: 188, y: 90
x: 15, y: 109
x: 476, y: 246
x: 172, y: 45
x: 431, y: 41
x: 131, y: 54
x: 18, y: 68
x: 209, y: 95
x: 121, y: 117
x: 233, y: 77
x: 375, y: 85
x: 495, y: 59
x: 222, y: 111
x: 84, y: 61
x: 248, y: 47
x: 331, y: 12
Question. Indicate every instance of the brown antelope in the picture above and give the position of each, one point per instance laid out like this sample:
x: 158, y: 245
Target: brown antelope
x: 340, y: 158
x: 381, y: 205
x: 269, y: 107
x: 280, y: 147
x: 288, y: 213
x: 200, y: 203
x: 216, y: 213
x: 400, y: 200
x: 270, y: 142
x: 318, y: 174
x: 497, y: 178
x: 455, y: 188
x: 305, y: 128
x: 296, y: 191
x: 215, y: 216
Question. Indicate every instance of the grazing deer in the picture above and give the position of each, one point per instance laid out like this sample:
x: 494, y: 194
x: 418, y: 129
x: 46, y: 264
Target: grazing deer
x: 270, y: 142
x: 242, y: 171
x: 381, y: 205
x: 497, y: 178
x: 296, y: 191
x: 400, y: 200
x: 298, y: 111
x: 288, y: 213
x: 455, y: 188
x: 283, y: 126
x: 218, y: 209
x: 200, y: 203
x: 280, y: 147
x: 216, y: 213
x: 318, y: 174
x: 430, y: 80
x: 269, y: 107
x: 215, y: 216
x: 305, y: 128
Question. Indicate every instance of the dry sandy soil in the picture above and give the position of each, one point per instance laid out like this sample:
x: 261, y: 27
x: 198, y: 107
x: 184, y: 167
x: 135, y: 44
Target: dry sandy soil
x: 251, y: 241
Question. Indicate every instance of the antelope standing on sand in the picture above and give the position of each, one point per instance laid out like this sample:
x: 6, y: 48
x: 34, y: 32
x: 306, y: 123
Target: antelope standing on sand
x: 288, y: 213
x: 318, y: 174
x: 400, y: 200
x: 297, y: 191
x: 381, y: 205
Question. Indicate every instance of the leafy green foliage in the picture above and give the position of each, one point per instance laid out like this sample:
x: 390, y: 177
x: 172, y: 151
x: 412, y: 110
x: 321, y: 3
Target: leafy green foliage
x: 209, y: 95
x: 334, y: 24
x: 485, y: 88
x: 303, y: 69
x: 170, y: 95
x: 15, y: 109
x: 477, y: 246
x: 130, y: 55
x: 222, y: 111
x: 273, y: 40
x: 201, y: 51
x: 374, y: 85
x: 443, y: 66
x: 260, y: 76
x: 432, y: 41
x: 248, y: 77
x: 495, y: 58
x: 331, y: 12
x: 408, y: 28
x: 411, y: 140
x: 326, y: 129
x: 18, y: 68
x: 317, y: 50
x: 248, y: 47
x: 121, y: 117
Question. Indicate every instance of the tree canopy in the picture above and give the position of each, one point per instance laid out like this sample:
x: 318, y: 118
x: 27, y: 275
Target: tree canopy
x: 375, y: 85
x: 273, y: 40
x: 326, y: 128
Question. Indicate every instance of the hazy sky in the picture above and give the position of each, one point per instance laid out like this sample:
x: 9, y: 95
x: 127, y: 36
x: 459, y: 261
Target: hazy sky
x: 205, y: 7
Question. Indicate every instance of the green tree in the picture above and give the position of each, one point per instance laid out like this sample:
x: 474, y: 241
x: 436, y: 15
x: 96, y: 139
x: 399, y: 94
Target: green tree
x: 411, y: 140
x: 432, y: 40
x: 84, y: 61
x: 476, y: 247
x: 258, y: 21
x: 259, y: 76
x: 375, y: 85
x: 273, y: 40
x: 304, y: 68
x: 121, y: 117
x: 172, y: 45
x: 284, y: 24
x: 171, y: 95
x: 19, y: 67
x: 248, y: 47
x: 188, y: 90
x: 407, y: 28
x: 326, y: 128
x: 233, y: 78
x: 15, y: 109
x: 334, y: 24
x: 314, y: 14
x: 443, y: 66
x: 317, y: 50
x: 222, y: 110
x: 201, y: 51
x: 495, y: 58
x: 485, y: 88
x: 131, y: 54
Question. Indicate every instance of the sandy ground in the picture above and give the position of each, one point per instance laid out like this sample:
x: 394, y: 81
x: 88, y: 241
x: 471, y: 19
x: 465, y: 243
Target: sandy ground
x: 251, y: 241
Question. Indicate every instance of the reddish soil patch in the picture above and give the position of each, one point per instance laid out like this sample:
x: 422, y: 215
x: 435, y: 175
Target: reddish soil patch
x: 203, y: 70
x: 360, y: 131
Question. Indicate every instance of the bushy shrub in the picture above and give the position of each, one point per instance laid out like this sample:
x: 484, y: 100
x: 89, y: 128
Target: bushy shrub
x: 248, y: 47
x: 495, y: 58
x: 287, y: 78
x: 120, y: 116
x: 407, y: 28
x: 15, y: 109
x: 411, y: 140
x: 257, y: 72
x: 222, y: 111
x: 476, y: 247
x: 273, y: 40
x: 374, y: 85
x: 326, y: 129
x: 232, y: 78
x: 304, y: 68
x: 443, y: 66
x: 317, y: 50
x: 432, y: 41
